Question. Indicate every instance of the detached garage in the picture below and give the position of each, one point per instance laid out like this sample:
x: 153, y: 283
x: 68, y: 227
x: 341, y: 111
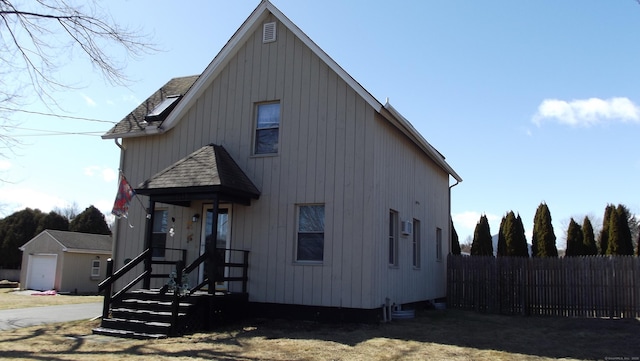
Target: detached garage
x: 65, y: 261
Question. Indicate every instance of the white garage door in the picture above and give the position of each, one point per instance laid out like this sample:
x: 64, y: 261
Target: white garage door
x: 41, y: 272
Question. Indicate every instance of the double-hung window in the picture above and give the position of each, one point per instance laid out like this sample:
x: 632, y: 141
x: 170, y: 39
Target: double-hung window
x: 159, y: 234
x: 267, y: 128
x: 439, y: 244
x: 416, y: 243
x: 310, y: 241
x: 393, y: 238
x: 95, y: 269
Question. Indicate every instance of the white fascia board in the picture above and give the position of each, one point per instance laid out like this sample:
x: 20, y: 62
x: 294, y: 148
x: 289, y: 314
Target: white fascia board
x: 24, y: 246
x: 407, y: 128
x: 87, y: 251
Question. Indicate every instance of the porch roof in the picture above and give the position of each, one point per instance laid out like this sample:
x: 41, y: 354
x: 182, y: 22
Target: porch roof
x: 206, y: 173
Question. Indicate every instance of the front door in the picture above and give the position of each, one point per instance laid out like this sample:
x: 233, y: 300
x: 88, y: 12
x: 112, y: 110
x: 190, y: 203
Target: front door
x: 223, y: 240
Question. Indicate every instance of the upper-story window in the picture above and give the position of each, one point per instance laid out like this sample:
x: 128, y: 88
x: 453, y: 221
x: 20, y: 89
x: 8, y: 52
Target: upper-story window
x: 267, y: 128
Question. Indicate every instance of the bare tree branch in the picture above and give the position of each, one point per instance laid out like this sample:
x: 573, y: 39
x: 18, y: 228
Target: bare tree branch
x: 37, y: 36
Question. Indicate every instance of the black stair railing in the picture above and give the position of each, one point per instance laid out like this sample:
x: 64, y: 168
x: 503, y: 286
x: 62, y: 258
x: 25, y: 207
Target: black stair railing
x: 241, y: 262
x: 106, y: 286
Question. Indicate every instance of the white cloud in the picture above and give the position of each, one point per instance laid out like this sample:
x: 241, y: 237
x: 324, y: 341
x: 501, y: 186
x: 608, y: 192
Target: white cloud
x: 18, y: 198
x: 90, y: 102
x: 5, y: 164
x: 469, y: 219
x: 587, y: 112
x: 107, y: 174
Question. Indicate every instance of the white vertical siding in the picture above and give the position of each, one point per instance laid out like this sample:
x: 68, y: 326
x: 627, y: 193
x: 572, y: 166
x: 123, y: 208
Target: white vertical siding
x: 334, y: 149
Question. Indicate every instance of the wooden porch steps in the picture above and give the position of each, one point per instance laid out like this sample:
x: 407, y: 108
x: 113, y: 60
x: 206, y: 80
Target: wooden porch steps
x: 144, y: 314
x: 147, y: 314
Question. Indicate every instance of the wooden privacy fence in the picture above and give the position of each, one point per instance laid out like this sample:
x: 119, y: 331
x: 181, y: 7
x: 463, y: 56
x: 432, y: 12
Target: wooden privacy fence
x: 594, y: 286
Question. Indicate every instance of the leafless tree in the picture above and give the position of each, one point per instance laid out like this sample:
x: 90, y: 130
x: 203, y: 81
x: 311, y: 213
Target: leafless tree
x: 38, y: 36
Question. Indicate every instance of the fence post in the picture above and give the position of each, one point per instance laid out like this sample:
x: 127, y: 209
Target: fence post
x: 107, y: 291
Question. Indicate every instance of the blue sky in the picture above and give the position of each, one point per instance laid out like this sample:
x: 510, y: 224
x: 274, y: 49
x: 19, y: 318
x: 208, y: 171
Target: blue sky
x: 530, y: 101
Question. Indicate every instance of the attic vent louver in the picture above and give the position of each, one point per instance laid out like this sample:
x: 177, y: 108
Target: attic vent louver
x: 269, y: 32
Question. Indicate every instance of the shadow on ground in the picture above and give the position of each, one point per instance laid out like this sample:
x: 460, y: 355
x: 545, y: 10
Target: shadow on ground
x: 549, y: 337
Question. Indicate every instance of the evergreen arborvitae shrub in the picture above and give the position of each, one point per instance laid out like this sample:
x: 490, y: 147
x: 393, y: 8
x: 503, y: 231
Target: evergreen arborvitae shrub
x: 543, y: 242
x: 91, y: 220
x: 455, y: 242
x: 620, y: 242
x: 589, y: 238
x: 603, y: 239
x: 502, y: 246
x: 574, y: 240
x: 522, y: 248
x: 482, y: 245
x: 509, y: 231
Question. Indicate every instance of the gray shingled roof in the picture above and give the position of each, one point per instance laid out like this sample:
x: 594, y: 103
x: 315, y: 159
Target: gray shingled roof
x: 208, y: 170
x: 77, y: 240
x: 135, y: 121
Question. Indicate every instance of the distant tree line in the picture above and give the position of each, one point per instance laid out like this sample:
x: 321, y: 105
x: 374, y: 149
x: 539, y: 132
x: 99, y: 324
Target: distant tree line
x: 615, y: 238
x: 20, y: 227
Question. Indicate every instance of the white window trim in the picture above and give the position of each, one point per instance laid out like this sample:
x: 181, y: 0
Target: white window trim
x: 95, y: 270
x: 255, y: 129
x: 393, y: 237
x: 166, y: 233
x: 416, y: 245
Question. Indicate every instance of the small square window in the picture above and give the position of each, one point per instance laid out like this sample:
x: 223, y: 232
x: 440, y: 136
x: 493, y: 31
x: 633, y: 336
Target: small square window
x: 267, y: 128
x: 95, y: 269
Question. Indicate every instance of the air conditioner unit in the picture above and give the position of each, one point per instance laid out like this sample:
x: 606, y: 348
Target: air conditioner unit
x: 406, y: 227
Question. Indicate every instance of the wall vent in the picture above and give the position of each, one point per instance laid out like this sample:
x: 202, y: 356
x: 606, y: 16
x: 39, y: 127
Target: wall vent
x: 269, y: 32
x: 406, y: 227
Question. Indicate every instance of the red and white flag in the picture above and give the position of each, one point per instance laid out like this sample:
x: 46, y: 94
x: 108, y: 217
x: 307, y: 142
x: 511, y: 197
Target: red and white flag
x: 123, y: 198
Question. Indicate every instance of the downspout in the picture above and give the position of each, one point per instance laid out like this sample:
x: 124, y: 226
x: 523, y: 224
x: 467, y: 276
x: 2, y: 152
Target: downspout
x: 116, y: 222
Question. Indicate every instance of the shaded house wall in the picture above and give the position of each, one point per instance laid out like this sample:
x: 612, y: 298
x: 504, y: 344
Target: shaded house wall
x: 334, y: 149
